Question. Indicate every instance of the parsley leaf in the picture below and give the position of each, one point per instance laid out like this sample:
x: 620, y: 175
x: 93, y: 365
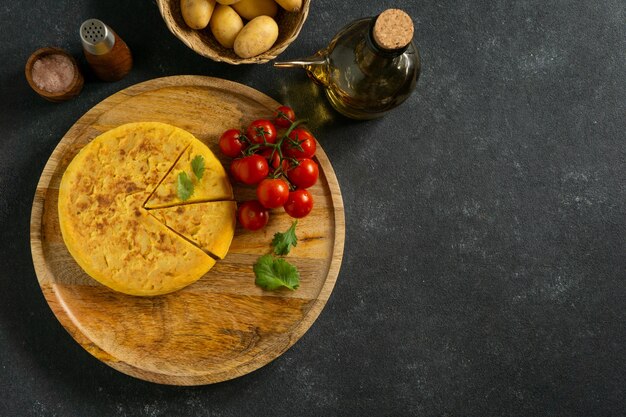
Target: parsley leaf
x: 184, y: 186
x: 197, y: 165
x: 283, y: 242
x: 273, y: 273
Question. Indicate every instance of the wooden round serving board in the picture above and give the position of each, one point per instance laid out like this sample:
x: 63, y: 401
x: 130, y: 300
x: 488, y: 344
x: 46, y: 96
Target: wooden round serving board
x: 222, y: 326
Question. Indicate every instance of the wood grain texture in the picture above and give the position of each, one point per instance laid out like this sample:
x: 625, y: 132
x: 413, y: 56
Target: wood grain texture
x: 222, y: 326
x: 115, y: 64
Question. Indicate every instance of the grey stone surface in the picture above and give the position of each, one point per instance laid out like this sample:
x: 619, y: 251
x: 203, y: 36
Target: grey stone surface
x: 484, y: 271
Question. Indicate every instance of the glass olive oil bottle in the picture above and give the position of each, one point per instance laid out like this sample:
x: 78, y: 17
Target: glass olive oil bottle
x: 370, y: 67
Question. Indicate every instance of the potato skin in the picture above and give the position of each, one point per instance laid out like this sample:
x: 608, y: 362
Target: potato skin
x: 225, y: 25
x: 249, y: 9
x: 197, y: 13
x: 228, y: 2
x: 256, y: 37
x: 290, y: 5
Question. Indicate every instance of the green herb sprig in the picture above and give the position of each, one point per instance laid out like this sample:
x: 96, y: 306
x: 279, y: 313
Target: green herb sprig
x: 283, y: 242
x: 273, y: 273
x: 184, y: 184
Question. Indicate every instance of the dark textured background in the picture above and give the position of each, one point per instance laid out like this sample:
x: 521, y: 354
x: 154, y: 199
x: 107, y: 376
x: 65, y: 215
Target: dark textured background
x: 484, y: 271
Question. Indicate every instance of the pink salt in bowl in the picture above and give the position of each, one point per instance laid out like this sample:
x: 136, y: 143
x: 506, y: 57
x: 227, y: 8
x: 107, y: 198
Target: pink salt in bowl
x: 53, y: 74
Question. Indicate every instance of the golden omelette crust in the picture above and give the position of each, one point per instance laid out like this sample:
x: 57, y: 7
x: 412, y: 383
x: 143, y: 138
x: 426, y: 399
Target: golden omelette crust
x: 102, y: 219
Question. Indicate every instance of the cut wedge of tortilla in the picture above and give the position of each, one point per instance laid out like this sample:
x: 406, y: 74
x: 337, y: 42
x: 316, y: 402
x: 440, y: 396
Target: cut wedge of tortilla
x: 213, y: 186
x: 210, y: 225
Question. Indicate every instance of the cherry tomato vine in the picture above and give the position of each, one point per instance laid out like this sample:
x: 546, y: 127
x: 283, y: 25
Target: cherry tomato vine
x: 276, y: 156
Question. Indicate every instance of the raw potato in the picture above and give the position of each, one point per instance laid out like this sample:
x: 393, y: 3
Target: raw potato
x: 228, y: 2
x: 256, y: 37
x: 290, y: 5
x: 249, y: 9
x: 197, y: 13
x: 225, y: 25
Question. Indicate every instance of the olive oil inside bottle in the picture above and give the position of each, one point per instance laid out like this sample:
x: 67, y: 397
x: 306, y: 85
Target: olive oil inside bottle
x: 361, y: 79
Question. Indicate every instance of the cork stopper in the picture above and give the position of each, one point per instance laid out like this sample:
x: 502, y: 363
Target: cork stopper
x: 393, y: 29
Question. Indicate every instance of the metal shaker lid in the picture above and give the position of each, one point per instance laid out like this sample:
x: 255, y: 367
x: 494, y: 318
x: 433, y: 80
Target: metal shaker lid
x: 97, y: 38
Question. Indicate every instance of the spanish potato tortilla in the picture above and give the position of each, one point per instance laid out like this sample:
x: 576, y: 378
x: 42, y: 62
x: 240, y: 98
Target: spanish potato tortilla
x: 105, y: 225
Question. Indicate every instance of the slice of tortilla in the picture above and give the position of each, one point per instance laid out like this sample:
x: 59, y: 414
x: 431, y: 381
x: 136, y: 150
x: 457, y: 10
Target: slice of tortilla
x: 213, y: 186
x: 210, y: 226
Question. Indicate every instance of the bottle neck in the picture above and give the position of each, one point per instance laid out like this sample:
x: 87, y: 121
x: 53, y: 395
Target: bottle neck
x: 372, y: 59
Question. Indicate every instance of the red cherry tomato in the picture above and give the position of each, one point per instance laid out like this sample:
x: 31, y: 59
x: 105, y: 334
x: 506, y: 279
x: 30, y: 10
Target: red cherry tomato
x: 272, y: 193
x: 299, y: 203
x: 231, y: 143
x: 259, y: 129
x: 250, y: 169
x: 284, y: 116
x: 305, y: 174
x: 301, y: 144
x: 252, y: 215
x: 234, y: 169
x: 273, y: 159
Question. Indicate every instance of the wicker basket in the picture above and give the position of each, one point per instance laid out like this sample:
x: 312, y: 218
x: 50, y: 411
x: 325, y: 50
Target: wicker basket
x: 203, y: 42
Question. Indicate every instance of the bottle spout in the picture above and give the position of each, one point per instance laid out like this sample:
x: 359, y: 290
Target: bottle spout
x: 315, y: 67
x: 304, y: 63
